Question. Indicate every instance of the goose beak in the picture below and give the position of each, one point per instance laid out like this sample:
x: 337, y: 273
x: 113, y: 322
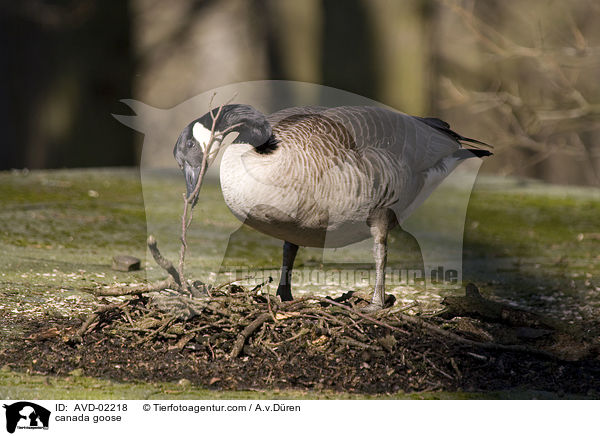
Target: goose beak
x: 191, y: 179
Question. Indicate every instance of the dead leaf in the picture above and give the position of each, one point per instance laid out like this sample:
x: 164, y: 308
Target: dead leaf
x: 285, y: 315
x: 320, y: 340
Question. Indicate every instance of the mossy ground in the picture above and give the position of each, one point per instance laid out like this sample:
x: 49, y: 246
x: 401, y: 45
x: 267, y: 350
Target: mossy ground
x: 525, y: 242
x: 15, y: 385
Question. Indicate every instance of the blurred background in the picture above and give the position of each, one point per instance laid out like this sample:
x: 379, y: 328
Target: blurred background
x: 520, y: 75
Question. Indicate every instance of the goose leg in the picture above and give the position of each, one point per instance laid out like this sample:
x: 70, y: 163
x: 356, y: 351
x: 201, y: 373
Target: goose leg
x: 284, y: 290
x: 380, y: 234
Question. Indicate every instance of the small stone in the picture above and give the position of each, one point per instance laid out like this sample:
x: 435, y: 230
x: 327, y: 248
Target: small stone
x: 126, y: 263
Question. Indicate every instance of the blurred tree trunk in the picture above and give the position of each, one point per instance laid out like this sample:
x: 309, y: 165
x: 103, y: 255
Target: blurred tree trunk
x: 405, y: 45
x: 348, y: 59
x: 293, y: 41
x: 66, y: 65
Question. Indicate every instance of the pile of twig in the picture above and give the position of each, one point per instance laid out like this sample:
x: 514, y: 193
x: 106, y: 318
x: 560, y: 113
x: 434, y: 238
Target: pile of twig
x: 235, y: 320
x: 231, y: 320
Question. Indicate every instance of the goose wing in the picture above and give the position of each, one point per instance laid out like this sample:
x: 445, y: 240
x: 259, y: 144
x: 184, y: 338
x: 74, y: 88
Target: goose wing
x: 366, y: 158
x: 276, y: 117
x: 419, y: 142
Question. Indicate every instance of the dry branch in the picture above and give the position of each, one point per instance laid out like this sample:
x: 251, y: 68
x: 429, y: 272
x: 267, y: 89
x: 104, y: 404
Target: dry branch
x: 85, y: 327
x: 189, y: 200
x: 163, y: 262
x: 137, y: 290
x: 492, y: 346
x: 362, y: 315
x: 251, y: 328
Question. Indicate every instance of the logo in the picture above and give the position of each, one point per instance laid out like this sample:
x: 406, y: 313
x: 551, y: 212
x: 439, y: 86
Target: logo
x: 26, y: 415
x: 428, y: 243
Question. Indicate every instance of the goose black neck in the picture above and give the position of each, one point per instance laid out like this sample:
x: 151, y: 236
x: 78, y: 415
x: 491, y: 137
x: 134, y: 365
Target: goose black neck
x: 253, y: 127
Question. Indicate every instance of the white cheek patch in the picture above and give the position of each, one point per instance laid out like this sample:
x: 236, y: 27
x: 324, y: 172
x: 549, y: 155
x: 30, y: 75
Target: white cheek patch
x: 201, y: 134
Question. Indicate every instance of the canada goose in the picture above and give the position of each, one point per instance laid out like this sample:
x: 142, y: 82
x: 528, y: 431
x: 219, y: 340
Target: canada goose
x: 325, y: 177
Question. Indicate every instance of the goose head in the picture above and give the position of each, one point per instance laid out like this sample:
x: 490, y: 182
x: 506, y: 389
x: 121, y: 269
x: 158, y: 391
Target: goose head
x: 251, y: 126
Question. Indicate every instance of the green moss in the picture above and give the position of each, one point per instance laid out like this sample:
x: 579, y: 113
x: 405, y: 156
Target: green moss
x: 35, y: 387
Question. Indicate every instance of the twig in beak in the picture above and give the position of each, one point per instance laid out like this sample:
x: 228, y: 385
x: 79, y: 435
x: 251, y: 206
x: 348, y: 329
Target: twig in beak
x: 188, y: 201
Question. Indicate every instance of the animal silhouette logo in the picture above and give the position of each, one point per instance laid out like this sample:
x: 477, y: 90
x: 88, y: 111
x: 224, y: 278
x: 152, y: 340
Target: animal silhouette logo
x: 26, y: 415
x: 433, y: 232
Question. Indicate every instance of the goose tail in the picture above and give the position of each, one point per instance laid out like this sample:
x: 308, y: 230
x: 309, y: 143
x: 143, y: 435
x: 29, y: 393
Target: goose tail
x: 444, y: 127
x: 466, y: 153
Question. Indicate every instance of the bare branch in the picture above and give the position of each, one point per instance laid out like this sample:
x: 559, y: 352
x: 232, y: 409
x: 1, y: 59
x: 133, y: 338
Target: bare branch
x: 162, y: 261
x: 136, y: 290
x: 187, y: 216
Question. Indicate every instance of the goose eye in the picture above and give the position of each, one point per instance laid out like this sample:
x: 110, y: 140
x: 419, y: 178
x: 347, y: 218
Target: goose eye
x: 190, y: 143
